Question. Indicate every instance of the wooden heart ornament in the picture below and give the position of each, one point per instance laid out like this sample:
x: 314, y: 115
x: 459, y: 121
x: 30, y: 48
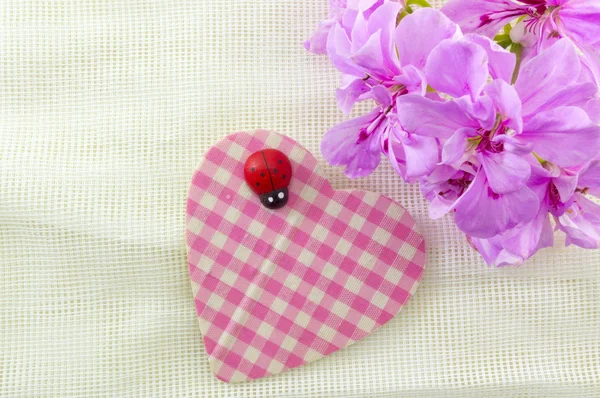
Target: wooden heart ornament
x: 278, y: 288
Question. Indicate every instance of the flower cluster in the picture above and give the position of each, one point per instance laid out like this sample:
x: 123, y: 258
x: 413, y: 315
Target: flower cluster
x: 492, y: 106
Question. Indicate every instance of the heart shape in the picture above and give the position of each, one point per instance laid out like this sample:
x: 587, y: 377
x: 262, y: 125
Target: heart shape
x: 276, y: 289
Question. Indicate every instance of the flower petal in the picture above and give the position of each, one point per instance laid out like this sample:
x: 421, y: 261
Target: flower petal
x: 501, y: 62
x: 591, y: 61
x: 581, y: 223
x: 382, y: 96
x: 339, y: 50
x: 413, y: 79
x: 513, y: 145
x: 541, y: 178
x: 565, y: 136
x: 337, y: 8
x: 483, y: 110
x: 419, y: 32
x: 367, y: 6
x: 348, y: 95
x: 343, y: 145
x: 317, y: 43
x: 457, y: 147
x: 525, y: 240
x: 470, y: 15
x: 359, y: 31
x: 383, y: 19
x: 507, y: 103
x: 493, y: 252
x: 443, y: 187
x: 592, y: 108
x: 546, y: 74
x: 578, y: 94
x: 370, y: 57
x: 457, y: 68
x: 505, y: 171
x: 481, y: 213
x: 518, y: 244
x: 422, y: 116
x: 581, y: 20
x: 422, y: 154
x: 590, y: 176
x: 566, y: 184
x: 396, y: 156
x: 372, y: 46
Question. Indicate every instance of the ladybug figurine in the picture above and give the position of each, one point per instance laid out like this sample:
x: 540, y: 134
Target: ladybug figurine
x: 268, y: 173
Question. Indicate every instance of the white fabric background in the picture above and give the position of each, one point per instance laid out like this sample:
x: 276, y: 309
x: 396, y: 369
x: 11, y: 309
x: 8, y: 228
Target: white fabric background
x: 105, y: 109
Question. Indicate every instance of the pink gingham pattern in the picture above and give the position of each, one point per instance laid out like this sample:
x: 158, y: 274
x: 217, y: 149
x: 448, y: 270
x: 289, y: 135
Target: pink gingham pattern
x: 276, y: 289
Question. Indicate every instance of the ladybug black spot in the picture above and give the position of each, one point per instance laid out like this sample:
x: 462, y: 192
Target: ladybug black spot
x: 274, y: 171
x: 258, y: 183
x: 280, y: 161
x: 283, y: 176
x: 262, y: 174
x: 253, y: 169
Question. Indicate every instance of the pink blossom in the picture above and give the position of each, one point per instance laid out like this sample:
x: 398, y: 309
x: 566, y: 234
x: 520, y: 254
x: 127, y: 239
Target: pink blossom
x: 382, y: 62
x: 580, y: 217
x: 502, y: 140
x: 543, y: 23
x: 318, y: 41
x: 581, y: 223
x: 578, y: 20
x: 495, y: 127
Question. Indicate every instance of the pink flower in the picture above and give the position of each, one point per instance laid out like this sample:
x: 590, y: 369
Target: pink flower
x: 383, y: 62
x: 368, y: 47
x: 317, y: 43
x: 589, y: 179
x: 581, y: 223
x: 518, y: 244
x: 495, y: 127
x: 561, y: 193
x: 544, y: 22
x: 355, y: 144
x: 580, y: 218
x: 578, y: 20
x: 410, y: 155
x: 503, y: 140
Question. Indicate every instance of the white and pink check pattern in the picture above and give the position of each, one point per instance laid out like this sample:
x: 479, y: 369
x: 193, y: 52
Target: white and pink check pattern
x: 275, y: 289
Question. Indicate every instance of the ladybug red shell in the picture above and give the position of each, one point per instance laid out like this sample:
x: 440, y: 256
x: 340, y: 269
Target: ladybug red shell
x: 268, y: 173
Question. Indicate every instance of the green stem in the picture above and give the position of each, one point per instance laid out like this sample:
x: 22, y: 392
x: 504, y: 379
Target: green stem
x: 539, y: 159
x: 517, y: 49
x: 496, y: 126
x: 422, y: 3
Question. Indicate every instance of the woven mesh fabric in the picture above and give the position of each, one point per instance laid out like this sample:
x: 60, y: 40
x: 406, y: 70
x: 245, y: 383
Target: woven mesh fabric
x: 105, y: 109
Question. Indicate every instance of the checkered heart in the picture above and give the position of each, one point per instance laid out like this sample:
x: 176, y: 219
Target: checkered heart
x: 276, y: 289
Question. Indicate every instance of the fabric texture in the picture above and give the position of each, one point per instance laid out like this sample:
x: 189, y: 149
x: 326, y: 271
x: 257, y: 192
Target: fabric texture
x: 106, y: 107
x: 276, y: 289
